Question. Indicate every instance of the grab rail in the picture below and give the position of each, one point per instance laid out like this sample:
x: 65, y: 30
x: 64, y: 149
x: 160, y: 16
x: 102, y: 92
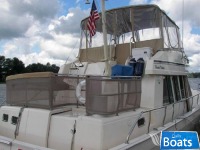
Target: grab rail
x: 131, y: 41
x: 2, y: 103
x: 165, y: 106
x: 131, y: 130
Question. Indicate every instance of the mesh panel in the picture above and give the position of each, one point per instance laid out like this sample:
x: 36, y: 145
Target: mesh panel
x: 64, y: 90
x: 109, y: 96
x: 42, y: 92
x: 29, y: 92
x: 103, y: 95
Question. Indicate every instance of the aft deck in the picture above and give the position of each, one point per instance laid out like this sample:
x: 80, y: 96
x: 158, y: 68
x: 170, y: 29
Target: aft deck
x: 104, y: 95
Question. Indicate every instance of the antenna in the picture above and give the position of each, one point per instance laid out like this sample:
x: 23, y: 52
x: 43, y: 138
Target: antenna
x: 182, y: 21
x: 87, y: 1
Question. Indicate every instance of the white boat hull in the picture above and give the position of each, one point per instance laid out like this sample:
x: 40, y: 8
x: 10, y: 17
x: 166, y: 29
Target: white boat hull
x: 186, y: 122
x: 189, y: 122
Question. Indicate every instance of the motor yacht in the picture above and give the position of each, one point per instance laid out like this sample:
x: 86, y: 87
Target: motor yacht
x: 127, y: 85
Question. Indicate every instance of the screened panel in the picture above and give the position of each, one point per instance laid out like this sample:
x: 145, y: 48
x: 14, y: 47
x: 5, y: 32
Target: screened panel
x: 143, y: 22
x: 119, y: 20
x: 148, y: 34
x: 170, y: 34
x: 110, y: 96
x: 42, y: 92
x: 26, y: 92
x: 103, y: 95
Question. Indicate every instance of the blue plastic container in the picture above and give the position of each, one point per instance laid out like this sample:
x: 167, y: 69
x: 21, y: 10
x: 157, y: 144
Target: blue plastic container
x: 121, y: 70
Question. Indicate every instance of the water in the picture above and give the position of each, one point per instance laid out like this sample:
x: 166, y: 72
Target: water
x: 2, y: 93
x: 194, y: 83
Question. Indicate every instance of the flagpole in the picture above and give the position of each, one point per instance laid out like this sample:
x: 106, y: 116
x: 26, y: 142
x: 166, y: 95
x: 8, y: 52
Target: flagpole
x: 105, y: 37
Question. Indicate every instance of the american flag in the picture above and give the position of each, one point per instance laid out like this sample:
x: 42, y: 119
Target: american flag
x: 91, y: 25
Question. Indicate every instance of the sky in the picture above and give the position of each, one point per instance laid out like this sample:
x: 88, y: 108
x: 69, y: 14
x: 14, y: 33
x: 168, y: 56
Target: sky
x: 49, y: 30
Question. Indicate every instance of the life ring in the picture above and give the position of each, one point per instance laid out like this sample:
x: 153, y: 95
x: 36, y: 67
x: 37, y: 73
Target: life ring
x: 81, y: 99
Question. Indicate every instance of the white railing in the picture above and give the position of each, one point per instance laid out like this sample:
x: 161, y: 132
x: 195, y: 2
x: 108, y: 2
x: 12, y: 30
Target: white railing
x: 3, y: 103
x: 185, y: 100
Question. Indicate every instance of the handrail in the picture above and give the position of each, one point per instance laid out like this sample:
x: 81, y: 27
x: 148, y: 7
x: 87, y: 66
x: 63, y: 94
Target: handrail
x: 165, y: 106
x: 133, y: 126
x: 2, y: 103
x: 18, y: 122
x: 131, y: 41
x: 111, y: 49
x: 170, y: 49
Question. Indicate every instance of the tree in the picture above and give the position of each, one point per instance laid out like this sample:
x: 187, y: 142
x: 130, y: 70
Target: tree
x: 2, y: 59
x: 42, y: 68
x: 17, y: 66
x: 13, y: 66
x: 55, y: 68
x: 7, y: 67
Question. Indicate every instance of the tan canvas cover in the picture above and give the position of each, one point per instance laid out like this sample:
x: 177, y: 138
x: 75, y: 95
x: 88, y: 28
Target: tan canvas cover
x: 31, y: 75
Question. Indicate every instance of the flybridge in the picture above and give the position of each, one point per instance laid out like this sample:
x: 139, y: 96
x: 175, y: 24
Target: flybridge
x: 136, y: 24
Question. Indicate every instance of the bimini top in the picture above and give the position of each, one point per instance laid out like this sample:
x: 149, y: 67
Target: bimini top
x: 136, y: 19
x: 123, y: 20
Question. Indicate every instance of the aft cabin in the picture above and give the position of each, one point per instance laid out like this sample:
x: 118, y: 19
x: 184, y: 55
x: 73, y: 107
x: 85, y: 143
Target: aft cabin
x: 53, y: 98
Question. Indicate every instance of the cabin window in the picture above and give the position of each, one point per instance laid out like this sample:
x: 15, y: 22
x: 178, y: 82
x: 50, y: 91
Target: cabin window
x: 187, y: 87
x: 176, y: 88
x: 167, y: 91
x: 14, y: 120
x: 182, y: 86
x: 5, y: 118
x: 141, y: 122
x: 149, y: 34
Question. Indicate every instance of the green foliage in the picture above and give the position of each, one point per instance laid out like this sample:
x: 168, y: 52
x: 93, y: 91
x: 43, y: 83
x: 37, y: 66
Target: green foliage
x: 2, y: 60
x: 15, y: 66
x: 42, y: 68
x: 194, y: 75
